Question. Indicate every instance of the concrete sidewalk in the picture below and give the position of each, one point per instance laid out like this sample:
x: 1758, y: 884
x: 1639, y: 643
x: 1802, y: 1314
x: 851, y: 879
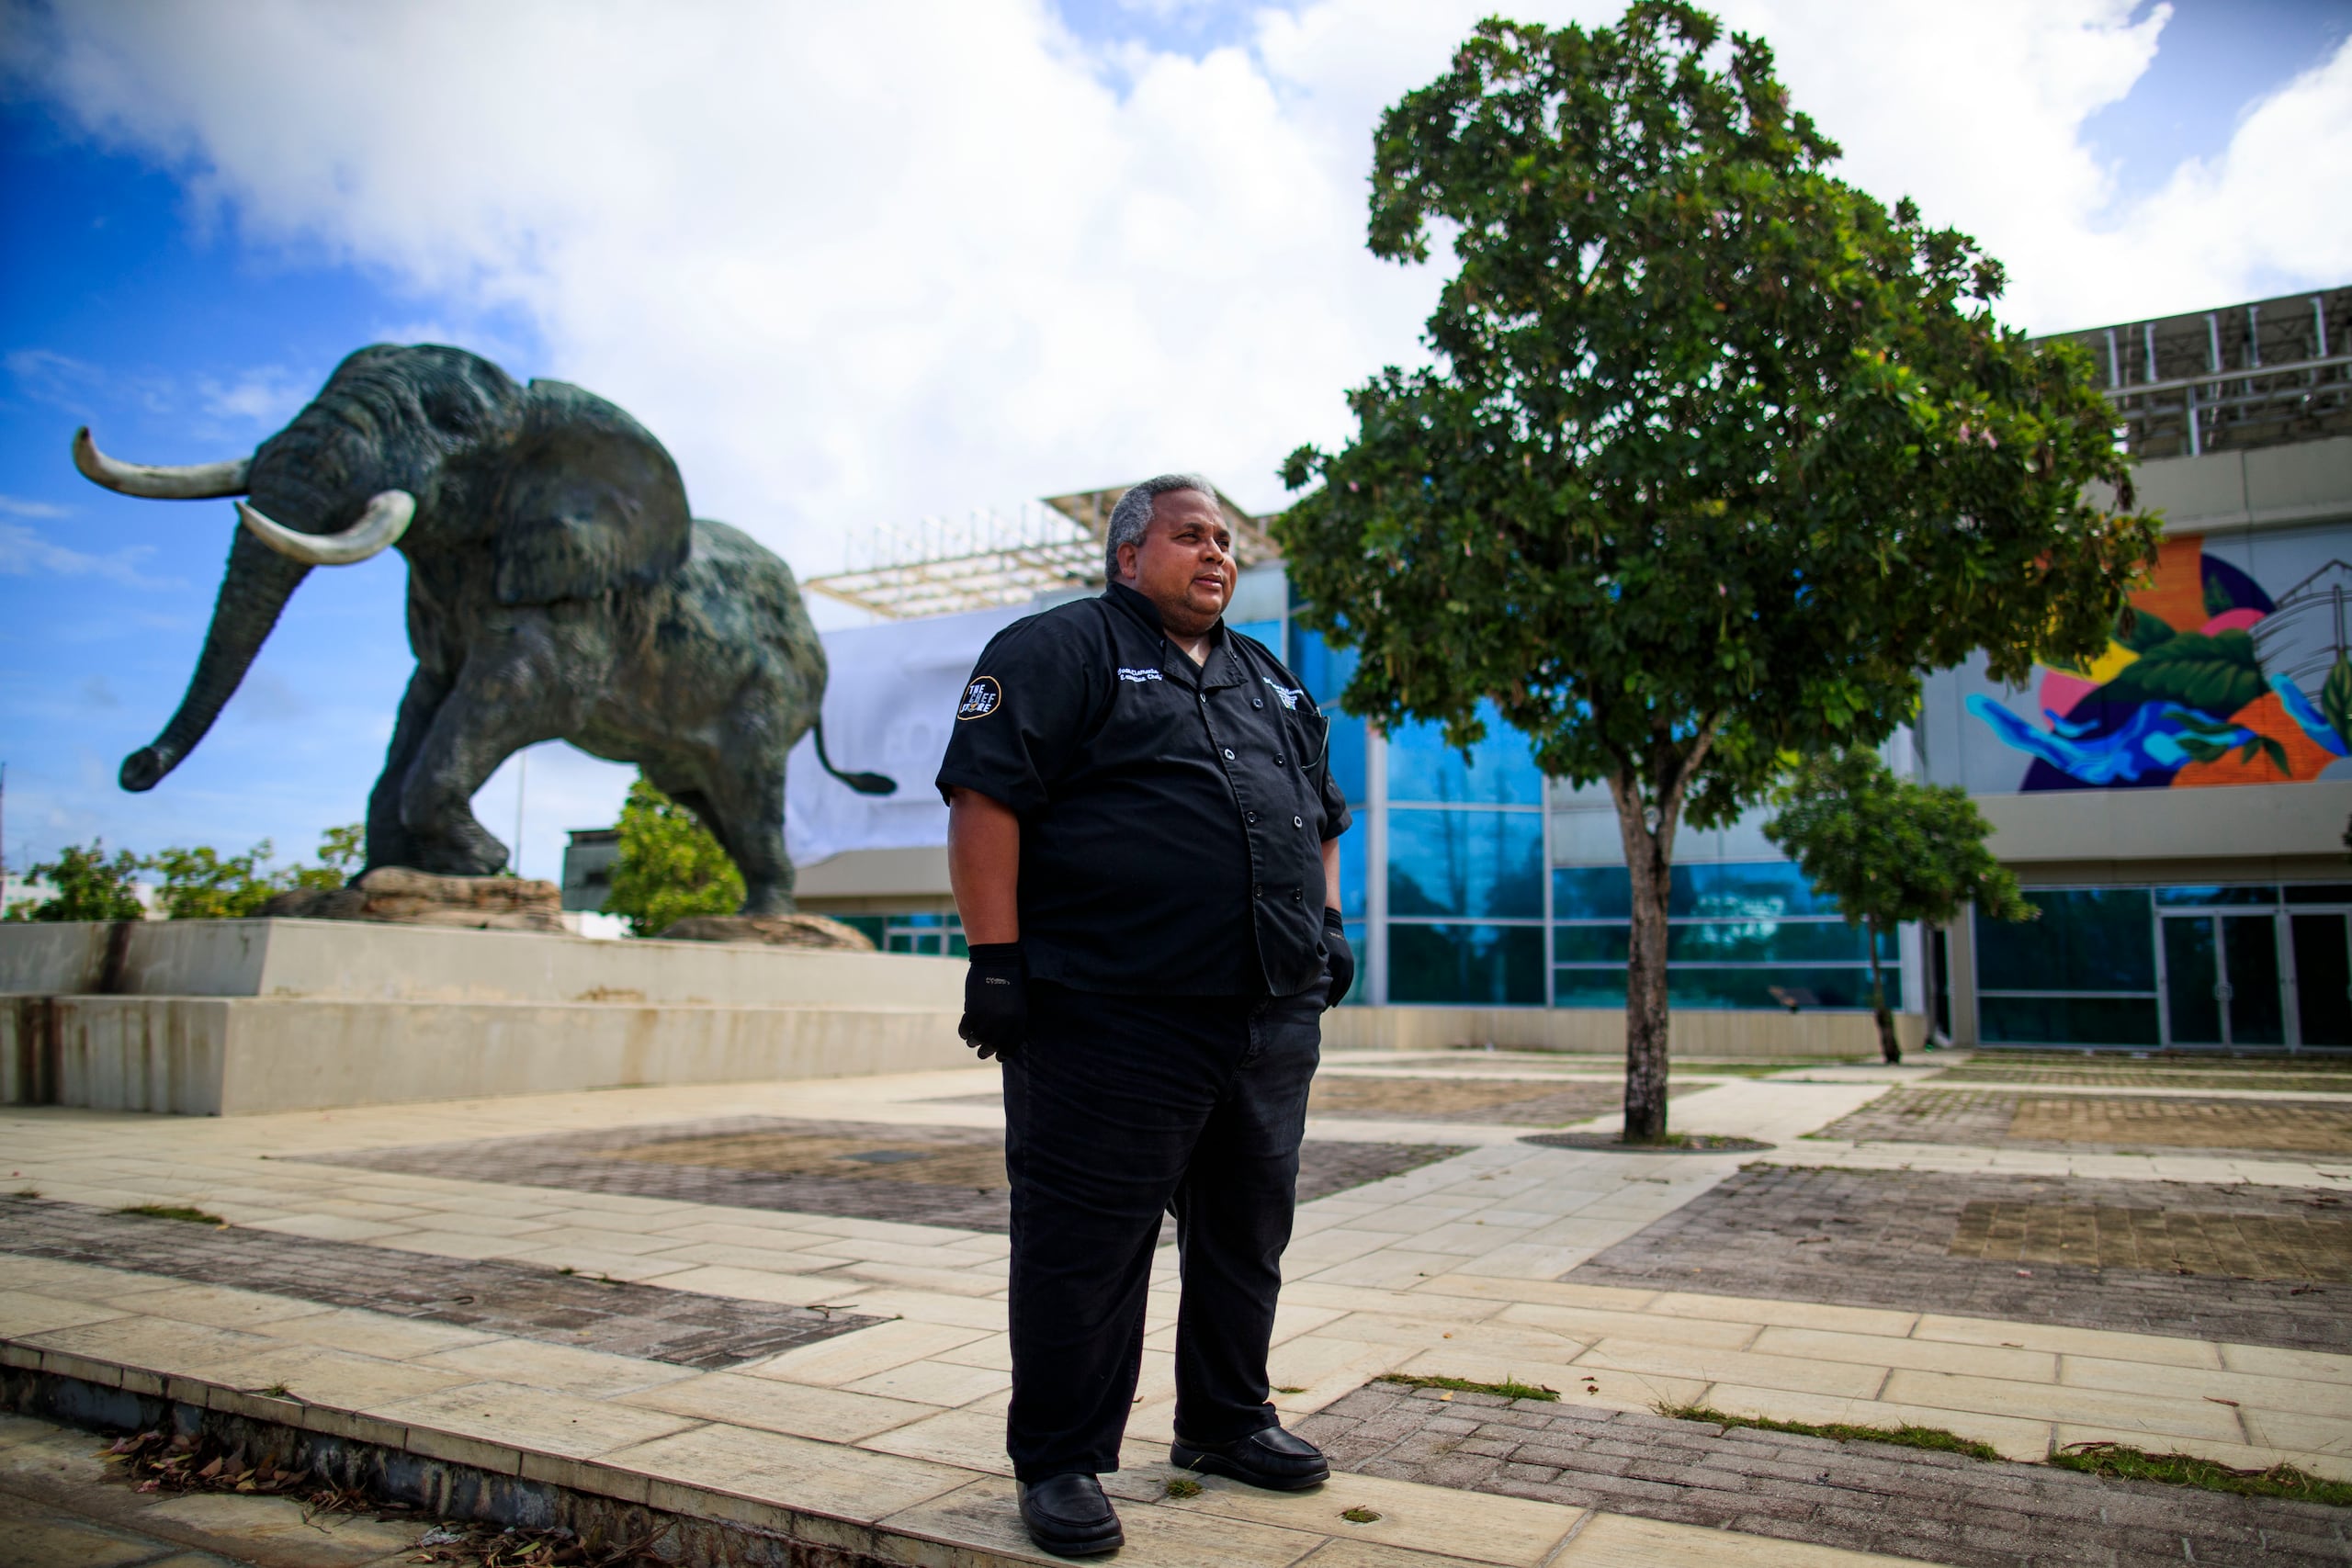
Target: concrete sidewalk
x: 886, y: 1437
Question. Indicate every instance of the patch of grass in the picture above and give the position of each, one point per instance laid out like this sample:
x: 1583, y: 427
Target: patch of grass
x: 2126, y: 1463
x: 1181, y: 1486
x: 28, y: 1192
x: 173, y: 1212
x: 1285, y: 1388
x: 1359, y: 1516
x: 1507, y: 1389
x: 278, y: 1391
x: 1906, y: 1437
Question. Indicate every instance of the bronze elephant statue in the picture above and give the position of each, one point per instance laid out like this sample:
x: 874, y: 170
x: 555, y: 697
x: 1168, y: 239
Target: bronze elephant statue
x: 557, y: 589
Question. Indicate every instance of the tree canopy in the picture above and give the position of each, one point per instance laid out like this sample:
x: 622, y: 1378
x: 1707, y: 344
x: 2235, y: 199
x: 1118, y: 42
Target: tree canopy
x: 85, y: 886
x: 1718, y: 455
x: 1890, y: 849
x: 670, y: 865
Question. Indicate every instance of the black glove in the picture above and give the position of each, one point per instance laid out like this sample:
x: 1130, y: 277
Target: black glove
x: 996, y: 999
x: 1342, y: 959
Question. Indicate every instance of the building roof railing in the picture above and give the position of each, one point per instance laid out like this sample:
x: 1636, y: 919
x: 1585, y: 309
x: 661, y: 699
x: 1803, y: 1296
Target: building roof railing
x: 991, y: 560
x: 2266, y: 373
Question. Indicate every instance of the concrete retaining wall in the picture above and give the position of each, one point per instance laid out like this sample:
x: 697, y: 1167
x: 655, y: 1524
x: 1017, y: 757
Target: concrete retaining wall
x: 1692, y: 1031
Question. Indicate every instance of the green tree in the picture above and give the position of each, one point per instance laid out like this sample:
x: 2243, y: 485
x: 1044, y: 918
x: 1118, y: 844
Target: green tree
x: 670, y: 865
x: 342, y: 851
x: 1890, y: 849
x: 202, y: 883
x: 1717, y: 456
x: 85, y: 886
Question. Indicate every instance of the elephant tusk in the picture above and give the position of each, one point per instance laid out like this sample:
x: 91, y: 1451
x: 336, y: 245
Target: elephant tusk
x: 192, y: 481
x: 379, y: 528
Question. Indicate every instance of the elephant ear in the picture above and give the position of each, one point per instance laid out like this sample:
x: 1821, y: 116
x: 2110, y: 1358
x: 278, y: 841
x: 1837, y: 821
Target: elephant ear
x: 590, y: 502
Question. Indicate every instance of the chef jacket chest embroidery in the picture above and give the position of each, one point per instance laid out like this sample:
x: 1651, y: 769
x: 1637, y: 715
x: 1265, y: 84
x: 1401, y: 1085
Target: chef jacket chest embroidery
x: 1289, y: 695
x: 1139, y: 676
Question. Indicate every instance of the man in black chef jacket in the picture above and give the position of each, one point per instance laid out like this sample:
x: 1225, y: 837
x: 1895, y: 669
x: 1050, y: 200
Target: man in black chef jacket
x: 1143, y: 838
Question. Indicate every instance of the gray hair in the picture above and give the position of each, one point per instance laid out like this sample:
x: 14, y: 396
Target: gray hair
x: 1131, y: 518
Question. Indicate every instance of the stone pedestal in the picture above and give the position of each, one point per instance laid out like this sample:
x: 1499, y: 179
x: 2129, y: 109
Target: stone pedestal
x: 238, y: 1017
x: 771, y: 930
x: 393, y: 895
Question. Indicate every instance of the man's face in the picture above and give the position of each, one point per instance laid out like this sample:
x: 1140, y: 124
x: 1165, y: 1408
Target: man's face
x: 1185, y: 564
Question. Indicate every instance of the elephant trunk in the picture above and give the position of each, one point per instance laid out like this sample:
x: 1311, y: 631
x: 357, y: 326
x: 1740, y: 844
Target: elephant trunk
x: 253, y: 591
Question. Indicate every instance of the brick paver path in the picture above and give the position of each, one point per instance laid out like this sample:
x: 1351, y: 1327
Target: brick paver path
x: 1518, y: 1104
x: 2086, y: 1123
x: 932, y: 1176
x: 682, y: 1327
x: 1934, y: 1242
x: 1940, y: 1508
x: 1981, y: 1071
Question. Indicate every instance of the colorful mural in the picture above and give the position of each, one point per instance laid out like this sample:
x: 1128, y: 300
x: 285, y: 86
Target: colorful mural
x: 2213, y: 683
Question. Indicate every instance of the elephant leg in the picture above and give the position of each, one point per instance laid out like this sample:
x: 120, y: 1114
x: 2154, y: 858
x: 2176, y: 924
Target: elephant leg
x: 746, y: 812
x: 388, y: 840
x: 508, y: 696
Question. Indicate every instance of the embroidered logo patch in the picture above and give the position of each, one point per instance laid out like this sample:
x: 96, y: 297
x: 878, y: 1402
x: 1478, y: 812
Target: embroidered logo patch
x: 1289, y: 695
x: 1139, y: 676
x: 981, y: 698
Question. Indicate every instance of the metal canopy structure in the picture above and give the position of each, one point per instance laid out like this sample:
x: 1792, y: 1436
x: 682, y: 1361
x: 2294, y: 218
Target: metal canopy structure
x: 990, y: 560
x: 2262, y: 374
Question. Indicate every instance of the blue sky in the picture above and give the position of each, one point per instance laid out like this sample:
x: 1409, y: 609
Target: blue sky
x: 883, y: 325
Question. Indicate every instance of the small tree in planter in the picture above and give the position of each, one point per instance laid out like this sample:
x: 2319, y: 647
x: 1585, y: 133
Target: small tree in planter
x: 1889, y: 851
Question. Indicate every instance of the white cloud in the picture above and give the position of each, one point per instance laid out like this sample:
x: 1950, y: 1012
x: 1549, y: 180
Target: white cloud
x: 855, y: 264
x: 24, y: 553
x: 17, y: 506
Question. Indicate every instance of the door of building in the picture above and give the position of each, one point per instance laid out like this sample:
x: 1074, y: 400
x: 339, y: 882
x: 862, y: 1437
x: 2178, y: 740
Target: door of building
x: 2322, y: 948
x: 2222, y: 980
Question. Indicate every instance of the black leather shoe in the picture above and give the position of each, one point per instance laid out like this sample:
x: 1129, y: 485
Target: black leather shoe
x: 1069, y: 1516
x: 1270, y: 1458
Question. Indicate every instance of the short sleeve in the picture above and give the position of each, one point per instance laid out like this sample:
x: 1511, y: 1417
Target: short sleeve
x: 1019, y: 718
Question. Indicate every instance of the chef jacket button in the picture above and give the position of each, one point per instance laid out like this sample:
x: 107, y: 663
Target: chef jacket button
x: 1296, y: 896
x: 1278, y: 761
x: 1249, y: 816
x: 1228, y: 753
x: 1257, y: 893
x: 1298, y: 821
x: 1257, y: 702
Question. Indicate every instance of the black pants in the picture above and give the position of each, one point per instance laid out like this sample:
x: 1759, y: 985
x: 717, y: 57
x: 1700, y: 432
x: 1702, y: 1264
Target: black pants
x: 1118, y: 1109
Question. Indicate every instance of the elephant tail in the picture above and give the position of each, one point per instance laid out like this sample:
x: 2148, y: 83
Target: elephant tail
x: 865, y: 783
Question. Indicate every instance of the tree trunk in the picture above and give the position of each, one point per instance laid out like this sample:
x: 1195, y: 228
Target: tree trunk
x: 1647, y: 831
x: 1889, y: 1047
x: 1646, y: 1016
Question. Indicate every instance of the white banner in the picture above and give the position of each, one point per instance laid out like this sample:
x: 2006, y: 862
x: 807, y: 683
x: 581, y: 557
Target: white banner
x: 888, y: 706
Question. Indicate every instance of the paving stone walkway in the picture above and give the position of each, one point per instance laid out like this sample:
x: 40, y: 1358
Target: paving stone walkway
x: 2168, y: 1261
x: 1458, y: 1252
x: 909, y: 1175
x: 1863, y: 1496
x: 682, y: 1327
x: 2103, y: 1124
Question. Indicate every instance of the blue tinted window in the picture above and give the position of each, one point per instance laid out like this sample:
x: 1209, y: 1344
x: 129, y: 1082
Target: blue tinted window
x: 1770, y: 942
x: 2320, y: 893
x: 1591, y: 944
x: 1501, y: 770
x: 1593, y: 893
x: 2067, y: 1020
x: 1588, y: 988
x: 1466, y: 863
x: 1477, y: 965
x: 2250, y: 895
x: 1324, y: 670
x: 2087, y: 939
x: 1749, y: 890
x: 1352, y: 876
x: 1703, y: 986
x: 1268, y: 632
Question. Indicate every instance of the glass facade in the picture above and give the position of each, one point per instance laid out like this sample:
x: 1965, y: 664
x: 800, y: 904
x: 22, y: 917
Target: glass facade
x: 1739, y: 934
x: 2248, y: 965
